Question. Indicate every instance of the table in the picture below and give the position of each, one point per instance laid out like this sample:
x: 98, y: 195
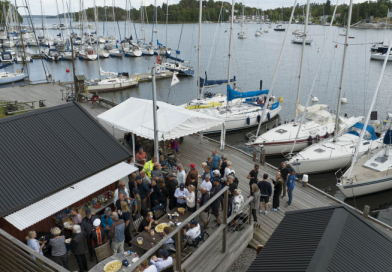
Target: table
x: 119, y: 256
x: 148, y: 238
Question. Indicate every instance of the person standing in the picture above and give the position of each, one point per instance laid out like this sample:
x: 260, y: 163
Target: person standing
x: 291, y: 185
x: 193, y: 182
x: 232, y: 188
x: 76, y: 217
x: 194, y: 171
x: 33, y: 243
x: 216, y: 187
x: 205, y: 197
x: 277, y: 192
x: 144, y: 194
x: 59, y: 251
x: 216, y: 160
x: 284, y: 172
x: 155, y: 193
x: 116, y: 234
x: 106, y: 219
x: 126, y: 216
x: 265, y: 193
x: 121, y: 189
x: 171, y: 187
x: 156, y: 172
x: 145, y: 178
x: 227, y: 169
x: 181, y: 174
x: 191, y: 199
x: 206, y: 183
x: 87, y: 226
x: 78, y: 247
x: 141, y: 156
x: 165, y: 192
x: 97, y: 236
x: 181, y: 194
x: 253, y: 177
x: 223, y: 166
x: 134, y: 204
x: 255, y: 201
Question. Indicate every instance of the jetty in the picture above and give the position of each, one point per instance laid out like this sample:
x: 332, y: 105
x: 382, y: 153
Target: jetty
x: 195, y: 149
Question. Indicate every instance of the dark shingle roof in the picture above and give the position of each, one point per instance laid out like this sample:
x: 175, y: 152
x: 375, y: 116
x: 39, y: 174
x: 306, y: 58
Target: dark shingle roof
x: 47, y: 150
x: 325, y: 239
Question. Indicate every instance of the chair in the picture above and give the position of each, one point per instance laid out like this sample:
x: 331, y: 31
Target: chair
x: 169, y: 268
x: 137, y: 222
x: 103, y: 252
x: 158, y: 214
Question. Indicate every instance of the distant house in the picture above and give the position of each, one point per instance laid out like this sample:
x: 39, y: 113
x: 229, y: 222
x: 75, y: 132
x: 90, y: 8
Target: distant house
x: 333, y: 238
x: 337, y: 15
x: 324, y: 18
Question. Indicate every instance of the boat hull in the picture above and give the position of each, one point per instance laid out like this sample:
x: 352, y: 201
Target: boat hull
x: 112, y: 87
x: 5, y: 80
x: 233, y: 124
x: 366, y: 187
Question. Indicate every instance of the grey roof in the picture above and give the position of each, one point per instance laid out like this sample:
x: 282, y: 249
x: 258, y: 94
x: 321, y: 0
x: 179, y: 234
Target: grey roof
x: 333, y: 238
x: 47, y: 150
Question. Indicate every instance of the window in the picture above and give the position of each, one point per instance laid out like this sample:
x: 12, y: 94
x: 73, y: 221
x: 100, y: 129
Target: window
x: 366, y: 143
x: 281, y: 131
x: 319, y: 150
x: 381, y: 159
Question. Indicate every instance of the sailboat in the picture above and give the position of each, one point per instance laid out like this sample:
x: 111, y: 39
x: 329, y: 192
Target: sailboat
x: 155, y: 30
x: 239, y: 110
x: 371, y: 172
x: 242, y: 34
x: 6, y: 77
x: 287, y: 138
x: 300, y: 40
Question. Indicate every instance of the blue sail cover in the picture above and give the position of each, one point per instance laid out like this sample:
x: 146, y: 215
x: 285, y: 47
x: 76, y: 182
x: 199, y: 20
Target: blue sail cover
x: 206, y: 83
x: 5, y: 65
x: 158, y: 43
x: 388, y: 137
x: 173, y: 58
x: 359, y: 126
x: 231, y: 94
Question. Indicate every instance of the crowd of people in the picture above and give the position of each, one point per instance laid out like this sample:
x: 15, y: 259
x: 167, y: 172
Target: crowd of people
x: 153, y: 188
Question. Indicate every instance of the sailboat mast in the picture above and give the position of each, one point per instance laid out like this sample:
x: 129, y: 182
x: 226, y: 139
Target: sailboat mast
x: 199, y: 52
x: 297, y: 102
x: 231, y: 37
x: 335, y: 137
x: 167, y: 18
x: 154, y: 106
x: 97, y: 34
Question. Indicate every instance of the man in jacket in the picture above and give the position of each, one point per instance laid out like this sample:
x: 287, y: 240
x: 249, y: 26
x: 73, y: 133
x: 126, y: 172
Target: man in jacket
x: 144, y: 194
x: 97, y: 236
x: 116, y: 234
x: 78, y: 247
x: 149, y: 166
x: 171, y: 185
x: 216, y: 187
x: 265, y: 193
x: 107, y: 219
x: 87, y: 227
x: 291, y: 185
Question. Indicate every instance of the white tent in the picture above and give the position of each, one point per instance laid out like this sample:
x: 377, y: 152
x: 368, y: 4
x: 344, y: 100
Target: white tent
x: 136, y: 116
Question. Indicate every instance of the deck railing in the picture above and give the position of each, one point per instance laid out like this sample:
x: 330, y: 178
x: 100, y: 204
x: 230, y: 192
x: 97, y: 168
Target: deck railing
x: 16, y: 256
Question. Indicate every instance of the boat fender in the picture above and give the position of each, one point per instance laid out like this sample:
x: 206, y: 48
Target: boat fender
x: 47, y: 59
x: 137, y: 79
x: 31, y: 60
x: 310, y: 140
x: 317, y: 138
x: 15, y: 61
x: 258, y: 118
x: 63, y: 58
x: 326, y: 135
x: 269, y: 116
x: 248, y: 120
x: 18, y: 71
x: 280, y: 99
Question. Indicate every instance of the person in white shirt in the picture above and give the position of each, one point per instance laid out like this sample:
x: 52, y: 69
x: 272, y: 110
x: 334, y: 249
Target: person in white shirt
x: 181, y: 175
x: 227, y: 169
x: 145, y: 267
x: 193, y: 231
x: 162, y: 262
x: 179, y: 194
x: 191, y: 199
x: 206, y: 183
x: 121, y: 189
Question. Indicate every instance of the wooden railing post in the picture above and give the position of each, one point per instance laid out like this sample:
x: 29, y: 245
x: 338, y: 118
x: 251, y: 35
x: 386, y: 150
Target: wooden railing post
x: 224, y: 231
x: 178, y: 251
x: 250, y: 213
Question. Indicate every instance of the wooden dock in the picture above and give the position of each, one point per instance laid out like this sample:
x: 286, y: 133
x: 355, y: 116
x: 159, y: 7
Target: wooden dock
x: 191, y: 151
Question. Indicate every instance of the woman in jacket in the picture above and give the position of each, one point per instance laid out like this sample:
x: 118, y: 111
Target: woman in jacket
x: 191, y: 199
x: 193, y: 182
x: 59, y: 251
x: 255, y: 201
x: 277, y: 192
x: 126, y: 216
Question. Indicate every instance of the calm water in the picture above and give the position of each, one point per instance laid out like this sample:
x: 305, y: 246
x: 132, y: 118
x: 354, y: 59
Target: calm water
x: 255, y: 59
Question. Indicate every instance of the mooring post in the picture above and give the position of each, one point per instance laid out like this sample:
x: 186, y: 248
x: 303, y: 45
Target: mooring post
x: 366, y: 210
x: 254, y: 156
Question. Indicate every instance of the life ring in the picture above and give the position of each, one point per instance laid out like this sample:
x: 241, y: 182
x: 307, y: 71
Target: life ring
x: 280, y: 99
x: 137, y: 79
x: 18, y: 71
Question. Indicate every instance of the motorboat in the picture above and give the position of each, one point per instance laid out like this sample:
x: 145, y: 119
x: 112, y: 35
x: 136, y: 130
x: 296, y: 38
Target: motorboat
x: 371, y: 172
x: 62, y: 27
x: 300, y: 40
x: 55, y: 26
x: 297, y: 32
x: 8, y: 43
x: 257, y: 34
x: 182, y: 68
x: 147, y: 51
x: 47, y: 43
x: 87, y: 54
x: 78, y: 41
x: 381, y: 56
x: 23, y: 57
x: 115, y: 53
x: 67, y: 55
x: 279, y: 28
x: 123, y: 81
x: 329, y: 155
x: 52, y: 54
x: 6, y: 57
x: 132, y: 52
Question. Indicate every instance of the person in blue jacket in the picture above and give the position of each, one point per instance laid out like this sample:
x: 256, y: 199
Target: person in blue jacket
x: 106, y: 219
x: 291, y: 185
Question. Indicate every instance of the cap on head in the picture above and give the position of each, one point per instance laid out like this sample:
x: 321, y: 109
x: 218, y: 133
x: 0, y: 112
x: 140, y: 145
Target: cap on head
x: 171, y: 176
x: 108, y: 209
x: 140, y: 148
x: 193, y: 222
x: 192, y: 165
x: 97, y: 222
x: 164, y: 253
x: 291, y: 170
x: 136, y: 191
x: 88, y: 211
x: 216, y: 172
x: 150, y: 214
x: 138, y: 177
x: 182, y: 185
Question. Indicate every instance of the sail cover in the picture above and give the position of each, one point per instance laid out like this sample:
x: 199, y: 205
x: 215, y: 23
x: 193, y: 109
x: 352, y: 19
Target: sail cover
x: 5, y: 65
x: 210, y: 83
x: 174, y: 58
x: 358, y: 127
x: 231, y: 94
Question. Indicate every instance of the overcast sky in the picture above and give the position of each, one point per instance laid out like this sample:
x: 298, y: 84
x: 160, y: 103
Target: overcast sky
x: 49, y: 6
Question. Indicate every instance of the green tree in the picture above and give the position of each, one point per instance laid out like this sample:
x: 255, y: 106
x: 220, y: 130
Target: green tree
x: 327, y: 8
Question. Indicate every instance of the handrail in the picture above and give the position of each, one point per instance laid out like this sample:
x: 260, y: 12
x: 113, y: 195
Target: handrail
x: 175, y: 231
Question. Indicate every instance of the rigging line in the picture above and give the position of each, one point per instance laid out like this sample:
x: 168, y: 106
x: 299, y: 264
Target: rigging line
x: 133, y: 21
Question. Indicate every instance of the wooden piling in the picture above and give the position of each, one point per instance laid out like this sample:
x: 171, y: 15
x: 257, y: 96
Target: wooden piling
x: 366, y: 210
x: 254, y: 156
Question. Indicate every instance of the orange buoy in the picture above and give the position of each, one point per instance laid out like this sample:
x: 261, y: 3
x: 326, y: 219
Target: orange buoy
x: 67, y: 70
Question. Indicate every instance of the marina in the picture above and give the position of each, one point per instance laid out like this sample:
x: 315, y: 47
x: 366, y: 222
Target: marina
x: 116, y: 103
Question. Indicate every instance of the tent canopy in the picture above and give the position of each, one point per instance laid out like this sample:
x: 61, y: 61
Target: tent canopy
x: 136, y: 116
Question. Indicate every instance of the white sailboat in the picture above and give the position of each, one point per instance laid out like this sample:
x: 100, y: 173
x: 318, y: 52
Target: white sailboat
x: 242, y: 34
x: 301, y: 39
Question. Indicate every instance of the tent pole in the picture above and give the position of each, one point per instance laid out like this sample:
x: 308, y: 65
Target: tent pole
x: 133, y: 147
x: 154, y: 106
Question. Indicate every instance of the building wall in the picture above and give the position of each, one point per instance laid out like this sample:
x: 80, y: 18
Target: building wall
x: 48, y: 223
